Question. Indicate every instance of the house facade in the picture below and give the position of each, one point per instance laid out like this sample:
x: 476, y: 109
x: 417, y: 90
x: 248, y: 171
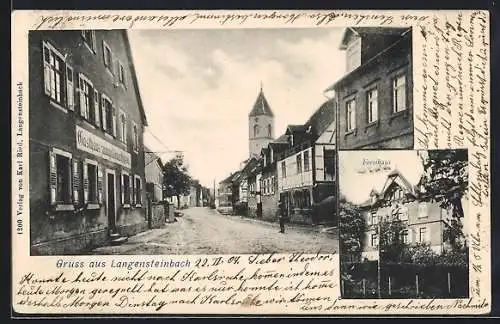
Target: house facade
x: 87, y: 179
x: 421, y: 222
x: 306, y: 169
x: 375, y: 96
x: 224, y: 192
x: 154, y: 175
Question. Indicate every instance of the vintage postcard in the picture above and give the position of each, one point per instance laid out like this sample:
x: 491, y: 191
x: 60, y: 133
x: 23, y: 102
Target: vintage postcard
x: 250, y: 162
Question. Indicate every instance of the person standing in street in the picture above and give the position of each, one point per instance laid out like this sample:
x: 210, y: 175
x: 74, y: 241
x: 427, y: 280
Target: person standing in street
x: 282, y: 216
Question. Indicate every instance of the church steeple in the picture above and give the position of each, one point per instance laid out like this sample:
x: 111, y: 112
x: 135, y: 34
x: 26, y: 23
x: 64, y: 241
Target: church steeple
x: 261, y: 106
x: 260, y: 124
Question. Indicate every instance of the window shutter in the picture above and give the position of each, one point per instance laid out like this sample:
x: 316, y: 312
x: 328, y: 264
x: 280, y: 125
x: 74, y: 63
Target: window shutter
x: 85, y: 183
x: 99, y: 184
x: 103, y: 108
x: 81, y: 96
x: 46, y: 68
x: 76, y: 182
x: 123, y: 188
x: 70, y: 91
x: 114, y: 121
x: 52, y: 177
x: 131, y: 184
x: 96, y: 108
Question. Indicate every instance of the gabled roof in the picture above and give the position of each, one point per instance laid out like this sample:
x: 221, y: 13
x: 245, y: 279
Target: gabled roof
x: 150, y: 157
x: 134, y: 78
x: 365, y: 31
x: 261, y: 106
x: 322, y: 118
x: 294, y: 129
x: 280, y: 140
x: 393, y: 178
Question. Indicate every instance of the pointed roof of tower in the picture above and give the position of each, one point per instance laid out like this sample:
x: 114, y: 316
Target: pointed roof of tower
x: 261, y: 106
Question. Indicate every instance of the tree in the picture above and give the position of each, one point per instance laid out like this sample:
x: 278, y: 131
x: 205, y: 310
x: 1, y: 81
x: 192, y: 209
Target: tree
x: 352, y: 229
x: 445, y: 181
x: 176, y: 178
x: 391, y: 244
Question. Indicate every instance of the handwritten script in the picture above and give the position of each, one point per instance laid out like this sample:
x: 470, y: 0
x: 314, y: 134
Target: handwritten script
x: 319, y: 18
x: 455, y: 110
x: 257, y: 281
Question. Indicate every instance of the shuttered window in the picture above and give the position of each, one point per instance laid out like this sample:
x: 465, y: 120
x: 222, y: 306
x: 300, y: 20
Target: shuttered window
x: 125, y: 189
x: 85, y: 94
x: 60, y: 177
x: 54, y: 72
x: 90, y: 40
x: 138, y: 191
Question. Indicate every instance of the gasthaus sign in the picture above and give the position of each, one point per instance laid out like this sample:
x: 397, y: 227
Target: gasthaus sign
x: 88, y: 142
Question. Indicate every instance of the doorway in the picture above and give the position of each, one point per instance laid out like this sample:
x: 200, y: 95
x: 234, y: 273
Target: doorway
x: 111, y: 202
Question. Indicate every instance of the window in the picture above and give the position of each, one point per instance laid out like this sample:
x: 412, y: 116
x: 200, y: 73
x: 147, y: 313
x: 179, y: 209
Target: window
x: 399, y: 94
x: 123, y: 128
x: 126, y: 189
x: 85, y: 100
x: 373, y: 217
x: 136, y: 138
x: 422, y: 210
x: 351, y: 115
x: 60, y: 177
x: 256, y: 130
x: 329, y: 156
x: 121, y: 73
x: 403, y: 215
x: 372, y: 106
x: 63, y: 168
x: 54, y: 74
x: 108, y: 56
x: 89, y: 37
x: 138, y: 191
x: 306, y: 160
x: 299, y: 163
x: 108, y: 115
x: 90, y: 186
x: 422, y: 234
x: 269, y: 130
x: 404, y: 236
x: 374, y: 240
x: 283, y: 169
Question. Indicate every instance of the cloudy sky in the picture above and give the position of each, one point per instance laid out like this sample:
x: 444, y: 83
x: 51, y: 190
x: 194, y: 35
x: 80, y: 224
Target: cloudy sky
x: 408, y: 163
x: 198, y: 87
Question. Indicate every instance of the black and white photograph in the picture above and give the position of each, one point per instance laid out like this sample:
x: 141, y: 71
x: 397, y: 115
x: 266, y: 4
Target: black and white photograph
x: 214, y: 141
x: 404, y: 224
x: 375, y: 95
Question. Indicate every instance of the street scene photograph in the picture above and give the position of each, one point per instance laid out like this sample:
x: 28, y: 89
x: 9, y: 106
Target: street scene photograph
x: 404, y: 232
x: 216, y: 141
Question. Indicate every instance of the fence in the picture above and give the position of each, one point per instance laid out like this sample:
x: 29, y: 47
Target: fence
x: 404, y: 281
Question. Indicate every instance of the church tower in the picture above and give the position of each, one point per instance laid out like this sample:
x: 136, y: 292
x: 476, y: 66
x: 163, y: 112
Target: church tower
x: 260, y: 125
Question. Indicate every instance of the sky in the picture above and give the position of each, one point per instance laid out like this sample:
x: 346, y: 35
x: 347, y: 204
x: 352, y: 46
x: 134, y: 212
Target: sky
x: 356, y: 186
x: 198, y: 87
